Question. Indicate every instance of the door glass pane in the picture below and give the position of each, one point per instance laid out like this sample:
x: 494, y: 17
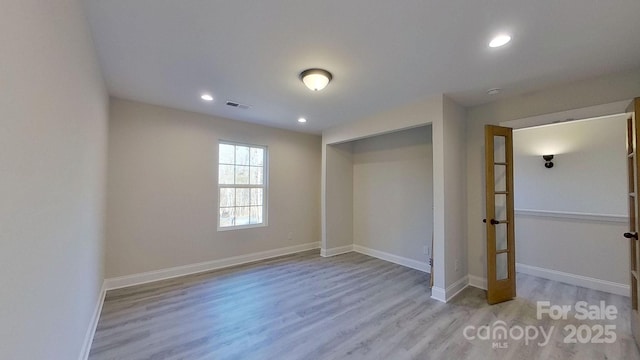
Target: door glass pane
x: 501, y: 237
x: 500, y: 207
x: 499, y: 148
x: 502, y: 271
x: 631, y: 175
x: 500, y: 180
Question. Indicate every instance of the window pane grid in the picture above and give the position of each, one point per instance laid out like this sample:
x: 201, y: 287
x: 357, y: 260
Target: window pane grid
x: 241, y: 183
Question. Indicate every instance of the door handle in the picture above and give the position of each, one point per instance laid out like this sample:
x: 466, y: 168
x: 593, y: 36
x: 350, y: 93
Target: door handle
x: 633, y: 235
x: 495, y: 222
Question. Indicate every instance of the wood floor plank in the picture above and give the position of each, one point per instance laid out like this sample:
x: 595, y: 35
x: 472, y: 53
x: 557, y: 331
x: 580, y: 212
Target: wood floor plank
x: 350, y: 306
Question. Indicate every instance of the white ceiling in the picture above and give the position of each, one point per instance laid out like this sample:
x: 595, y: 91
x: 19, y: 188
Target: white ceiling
x: 383, y: 54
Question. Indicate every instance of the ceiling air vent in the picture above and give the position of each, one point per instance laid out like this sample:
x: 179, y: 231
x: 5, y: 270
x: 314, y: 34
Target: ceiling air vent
x: 237, y: 105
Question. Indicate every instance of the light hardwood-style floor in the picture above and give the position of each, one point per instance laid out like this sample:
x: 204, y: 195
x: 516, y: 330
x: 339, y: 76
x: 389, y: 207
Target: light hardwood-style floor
x: 350, y: 306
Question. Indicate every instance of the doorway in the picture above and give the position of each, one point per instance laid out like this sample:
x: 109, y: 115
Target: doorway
x: 571, y: 208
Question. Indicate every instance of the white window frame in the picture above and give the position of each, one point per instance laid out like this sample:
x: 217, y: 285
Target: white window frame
x: 264, y: 186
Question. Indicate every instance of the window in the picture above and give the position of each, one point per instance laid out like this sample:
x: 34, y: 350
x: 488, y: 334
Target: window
x: 242, y: 191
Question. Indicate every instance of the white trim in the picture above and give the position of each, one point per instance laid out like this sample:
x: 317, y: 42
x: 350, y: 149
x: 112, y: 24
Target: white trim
x: 590, y: 112
x: 456, y: 288
x: 438, y: 293
x: 478, y: 282
x: 609, y: 218
x: 163, y: 274
x: 568, y: 278
x: 93, y: 325
x: 410, y: 263
x: 336, y: 251
x: 577, y: 280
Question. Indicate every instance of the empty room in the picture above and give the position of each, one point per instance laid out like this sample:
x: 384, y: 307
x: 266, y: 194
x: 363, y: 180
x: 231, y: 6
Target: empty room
x: 319, y: 179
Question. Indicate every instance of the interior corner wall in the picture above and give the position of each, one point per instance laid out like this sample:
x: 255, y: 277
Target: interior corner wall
x: 393, y: 193
x: 338, y: 230
x: 455, y: 191
x: 53, y: 129
x: 162, y: 189
x: 449, y: 200
x: 581, y: 94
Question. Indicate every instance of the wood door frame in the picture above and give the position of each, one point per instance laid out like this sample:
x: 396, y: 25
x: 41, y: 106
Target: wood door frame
x: 633, y: 165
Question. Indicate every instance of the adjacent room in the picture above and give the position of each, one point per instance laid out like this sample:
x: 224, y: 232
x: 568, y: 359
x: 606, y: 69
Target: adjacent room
x: 319, y: 180
x: 566, y: 232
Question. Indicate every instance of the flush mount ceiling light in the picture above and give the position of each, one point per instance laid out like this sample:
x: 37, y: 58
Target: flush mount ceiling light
x: 316, y: 79
x: 302, y: 120
x: 206, y: 97
x: 499, y: 40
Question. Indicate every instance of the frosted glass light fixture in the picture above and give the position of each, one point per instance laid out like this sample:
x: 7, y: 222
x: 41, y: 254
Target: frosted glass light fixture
x: 499, y: 40
x: 316, y: 79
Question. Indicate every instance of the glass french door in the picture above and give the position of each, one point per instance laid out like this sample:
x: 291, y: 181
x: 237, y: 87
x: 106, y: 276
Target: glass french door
x: 501, y: 257
x: 634, y: 184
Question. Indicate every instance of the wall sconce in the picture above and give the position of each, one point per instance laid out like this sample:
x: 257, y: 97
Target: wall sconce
x: 548, y: 163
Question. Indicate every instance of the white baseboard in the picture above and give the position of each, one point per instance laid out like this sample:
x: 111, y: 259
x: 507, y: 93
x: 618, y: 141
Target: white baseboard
x: 567, y: 278
x: 478, y: 282
x: 457, y: 287
x: 336, y: 251
x: 578, y: 280
x: 410, y: 263
x: 88, y: 338
x: 438, y: 293
x: 151, y: 276
x: 445, y: 295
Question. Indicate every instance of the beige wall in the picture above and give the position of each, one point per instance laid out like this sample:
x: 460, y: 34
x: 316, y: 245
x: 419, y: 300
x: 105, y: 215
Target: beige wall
x: 339, y: 202
x: 589, y: 248
x: 455, y: 196
x: 420, y: 113
x: 589, y: 176
x: 601, y: 90
x: 162, y: 189
x: 590, y: 172
x: 393, y: 193
x: 53, y: 116
x: 449, y: 196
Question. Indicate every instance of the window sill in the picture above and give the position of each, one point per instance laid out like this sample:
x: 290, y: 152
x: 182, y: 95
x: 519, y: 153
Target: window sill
x: 242, y: 227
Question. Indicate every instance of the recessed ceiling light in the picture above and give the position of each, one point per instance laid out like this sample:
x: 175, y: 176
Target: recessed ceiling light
x: 302, y: 120
x: 206, y: 97
x: 494, y: 91
x: 499, y: 40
